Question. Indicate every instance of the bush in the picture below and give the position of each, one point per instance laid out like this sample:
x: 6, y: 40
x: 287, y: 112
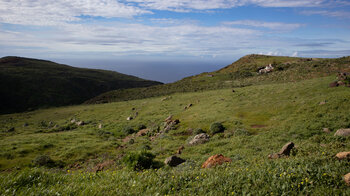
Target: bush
x: 216, y: 128
x: 139, y: 160
x: 241, y: 132
x: 198, y: 131
x: 140, y: 127
x: 128, y: 131
x: 43, y: 160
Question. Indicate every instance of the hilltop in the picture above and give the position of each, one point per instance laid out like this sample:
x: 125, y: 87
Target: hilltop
x: 27, y: 84
x: 243, y: 72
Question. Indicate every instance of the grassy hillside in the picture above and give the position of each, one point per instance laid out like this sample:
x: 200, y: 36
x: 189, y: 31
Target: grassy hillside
x: 258, y: 120
x: 243, y: 72
x: 31, y: 83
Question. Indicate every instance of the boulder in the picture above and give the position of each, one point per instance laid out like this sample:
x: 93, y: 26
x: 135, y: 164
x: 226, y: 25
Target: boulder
x: 129, y: 118
x: 174, y: 161
x: 199, y: 139
x: 342, y: 132
x: 343, y: 155
x: 215, y: 160
x: 347, y: 179
x: 142, y: 132
x: 100, y: 126
x: 73, y: 120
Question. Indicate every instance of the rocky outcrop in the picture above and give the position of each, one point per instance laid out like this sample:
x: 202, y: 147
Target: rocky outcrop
x: 342, y: 132
x: 142, y: 132
x: 199, y: 139
x: 215, y: 160
x: 174, y: 161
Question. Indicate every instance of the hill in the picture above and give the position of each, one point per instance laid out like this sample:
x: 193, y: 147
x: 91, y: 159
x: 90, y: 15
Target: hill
x: 27, y: 84
x: 243, y: 72
x: 258, y: 120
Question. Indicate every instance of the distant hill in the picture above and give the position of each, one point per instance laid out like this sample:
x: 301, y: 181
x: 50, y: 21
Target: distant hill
x: 243, y: 72
x: 27, y: 84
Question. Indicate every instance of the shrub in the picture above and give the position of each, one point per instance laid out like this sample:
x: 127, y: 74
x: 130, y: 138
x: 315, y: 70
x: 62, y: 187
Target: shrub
x: 216, y: 128
x: 128, y: 131
x: 140, y: 127
x: 198, y: 131
x: 241, y: 132
x: 43, y: 160
x: 139, y: 160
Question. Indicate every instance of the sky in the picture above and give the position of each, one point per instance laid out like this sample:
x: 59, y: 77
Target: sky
x: 167, y: 40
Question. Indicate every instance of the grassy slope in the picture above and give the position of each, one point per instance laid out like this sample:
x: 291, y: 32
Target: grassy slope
x: 240, y: 73
x: 290, y: 111
x: 31, y: 83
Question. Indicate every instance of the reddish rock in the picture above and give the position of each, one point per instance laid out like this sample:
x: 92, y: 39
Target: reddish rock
x: 215, y: 160
x: 285, y: 151
x: 333, y: 84
x: 326, y: 130
x: 142, y: 132
x: 342, y: 132
x: 343, y: 155
x: 347, y: 179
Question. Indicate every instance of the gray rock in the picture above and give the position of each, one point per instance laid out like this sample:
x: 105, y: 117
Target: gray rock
x: 174, y: 161
x: 80, y: 123
x: 100, y: 126
x: 199, y: 139
x: 342, y: 132
x: 326, y: 130
x: 129, y: 118
x: 73, y: 120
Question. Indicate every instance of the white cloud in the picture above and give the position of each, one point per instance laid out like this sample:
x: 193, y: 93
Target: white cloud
x: 339, y: 14
x: 269, y: 25
x: 53, y: 12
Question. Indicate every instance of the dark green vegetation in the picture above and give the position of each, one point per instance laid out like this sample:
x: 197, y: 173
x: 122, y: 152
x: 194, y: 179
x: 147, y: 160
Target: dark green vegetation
x: 243, y: 72
x: 31, y: 84
x: 257, y: 120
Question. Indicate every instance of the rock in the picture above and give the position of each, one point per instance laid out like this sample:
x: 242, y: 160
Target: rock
x: 133, y: 108
x: 25, y: 125
x: 104, y: 165
x: 129, y: 118
x: 286, y: 149
x: 56, y: 126
x: 347, y: 179
x: 215, y: 160
x: 73, y: 120
x: 322, y: 102
x: 174, y: 161
x: 12, y: 129
x: 80, y: 123
x: 142, y: 132
x: 181, y: 148
x: 326, y: 130
x: 199, y: 139
x: 188, y: 106
x: 170, y: 124
x: 233, y: 90
x: 100, y: 126
x: 50, y: 124
x: 342, y: 132
x: 343, y: 155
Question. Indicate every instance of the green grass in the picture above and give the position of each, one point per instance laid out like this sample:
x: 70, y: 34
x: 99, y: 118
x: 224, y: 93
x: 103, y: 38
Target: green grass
x: 27, y: 84
x: 288, y: 111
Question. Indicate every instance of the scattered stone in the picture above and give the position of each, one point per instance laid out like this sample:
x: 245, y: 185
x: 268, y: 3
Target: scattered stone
x: 170, y: 124
x: 343, y: 155
x: 199, y: 139
x: 142, y: 132
x: 326, y: 130
x: 174, y: 161
x: 128, y: 138
x: 347, y: 179
x: 12, y: 129
x: 25, y: 125
x: 50, y: 124
x: 181, y: 148
x: 129, y: 118
x: 215, y: 160
x: 322, y: 102
x: 169, y: 118
x: 342, y: 132
x: 166, y: 98
x: 80, y: 123
x: 73, y: 120
x: 210, y: 75
x: 56, y: 126
x: 100, y: 126
x: 285, y: 151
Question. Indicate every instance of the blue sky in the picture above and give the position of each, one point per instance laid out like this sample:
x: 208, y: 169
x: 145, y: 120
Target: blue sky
x: 169, y: 39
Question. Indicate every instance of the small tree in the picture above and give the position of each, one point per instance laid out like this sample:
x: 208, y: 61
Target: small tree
x: 216, y: 128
